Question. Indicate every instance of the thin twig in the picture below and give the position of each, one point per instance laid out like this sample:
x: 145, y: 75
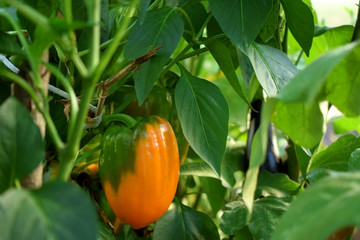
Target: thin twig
x: 105, y: 85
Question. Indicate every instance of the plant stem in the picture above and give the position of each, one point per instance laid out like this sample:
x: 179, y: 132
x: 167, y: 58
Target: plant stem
x: 68, y: 11
x: 68, y: 155
x: 177, y: 58
x: 284, y: 43
x: 95, y: 38
x: 105, y: 86
x: 356, y: 34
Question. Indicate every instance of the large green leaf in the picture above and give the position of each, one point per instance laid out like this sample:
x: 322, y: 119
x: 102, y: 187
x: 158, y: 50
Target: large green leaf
x: 300, y: 21
x: 215, y: 193
x: 241, y: 20
x: 343, y: 84
x: 276, y: 184
x: 264, y: 218
x: 162, y: 27
x: 182, y: 222
x: 21, y: 145
x: 204, y: 117
x: 272, y: 67
x: 257, y: 154
x: 326, y: 206
x: 328, y: 39
x: 56, y: 211
x: 336, y: 157
x: 308, y: 84
x: 302, y: 122
x: 221, y: 54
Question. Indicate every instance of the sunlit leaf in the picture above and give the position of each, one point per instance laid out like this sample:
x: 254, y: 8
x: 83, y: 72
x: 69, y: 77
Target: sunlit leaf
x: 323, y: 208
x: 204, y: 117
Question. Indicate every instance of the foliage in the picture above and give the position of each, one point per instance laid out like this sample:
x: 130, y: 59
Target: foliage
x: 248, y: 86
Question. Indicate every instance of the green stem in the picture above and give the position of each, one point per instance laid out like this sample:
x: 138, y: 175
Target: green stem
x: 284, y: 43
x: 177, y: 58
x: 203, y: 27
x: 80, y: 66
x: 24, y: 43
x: 71, y: 149
x: 33, y: 15
x: 154, y: 5
x: 194, y: 53
x: 356, y: 34
x: 22, y: 83
x: 68, y: 11
x: 298, y: 58
x: 95, y: 37
x: 119, y: 117
x: 73, y: 99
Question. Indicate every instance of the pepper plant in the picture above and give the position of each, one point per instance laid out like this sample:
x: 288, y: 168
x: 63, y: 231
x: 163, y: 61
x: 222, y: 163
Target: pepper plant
x: 251, y: 88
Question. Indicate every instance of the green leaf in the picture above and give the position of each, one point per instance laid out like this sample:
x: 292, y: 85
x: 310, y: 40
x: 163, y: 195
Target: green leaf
x: 105, y: 232
x: 215, y: 193
x: 4, y: 23
x: 197, y: 15
x: 104, y: 20
x: 233, y: 165
x: 241, y: 20
x: 21, y: 145
x: 336, y: 156
x: 9, y: 44
x: 234, y: 217
x: 343, y: 83
x: 200, y: 169
x: 329, y: 38
x: 300, y: 20
x: 58, y: 210
x: 182, y: 222
x: 303, y: 160
x: 308, y: 84
x: 354, y: 161
x: 264, y: 218
x: 346, y: 124
x: 258, y: 154
x: 162, y: 27
x: 238, y: 109
x: 323, y: 208
x: 272, y: 67
x: 221, y: 54
x: 302, y: 122
x: 275, y: 184
x: 142, y: 8
x: 204, y: 117
x: 268, y: 29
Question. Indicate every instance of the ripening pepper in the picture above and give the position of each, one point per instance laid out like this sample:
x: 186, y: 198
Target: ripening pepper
x: 159, y: 102
x: 139, y: 170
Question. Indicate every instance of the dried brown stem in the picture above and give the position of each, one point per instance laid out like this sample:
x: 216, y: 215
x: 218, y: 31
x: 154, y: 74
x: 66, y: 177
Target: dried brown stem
x: 105, y: 85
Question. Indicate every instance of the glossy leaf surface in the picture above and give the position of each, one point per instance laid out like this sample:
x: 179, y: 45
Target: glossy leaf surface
x: 21, y: 145
x: 204, y: 116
